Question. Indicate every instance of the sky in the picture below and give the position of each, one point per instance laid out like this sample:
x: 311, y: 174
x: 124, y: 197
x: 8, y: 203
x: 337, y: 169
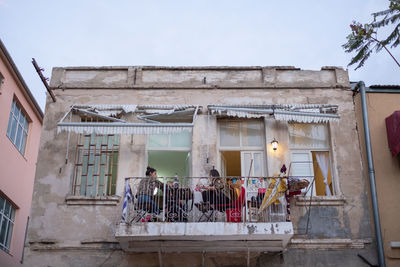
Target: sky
x: 305, y: 34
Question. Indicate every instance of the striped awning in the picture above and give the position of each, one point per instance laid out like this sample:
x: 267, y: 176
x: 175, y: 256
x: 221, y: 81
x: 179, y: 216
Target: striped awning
x: 303, y: 113
x: 158, y: 119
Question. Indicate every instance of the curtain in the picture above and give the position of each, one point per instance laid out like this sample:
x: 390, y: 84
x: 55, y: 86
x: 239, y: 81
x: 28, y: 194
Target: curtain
x: 323, y: 162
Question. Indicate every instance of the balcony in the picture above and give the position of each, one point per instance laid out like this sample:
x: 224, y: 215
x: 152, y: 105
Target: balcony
x: 204, y: 214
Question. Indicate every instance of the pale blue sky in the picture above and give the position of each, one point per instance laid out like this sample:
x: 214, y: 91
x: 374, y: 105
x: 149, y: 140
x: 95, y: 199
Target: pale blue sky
x: 306, y: 34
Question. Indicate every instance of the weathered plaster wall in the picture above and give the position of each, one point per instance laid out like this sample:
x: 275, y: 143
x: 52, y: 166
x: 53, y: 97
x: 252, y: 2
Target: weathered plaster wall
x: 65, y: 226
x: 197, y: 77
x: 387, y: 168
x: 289, y: 258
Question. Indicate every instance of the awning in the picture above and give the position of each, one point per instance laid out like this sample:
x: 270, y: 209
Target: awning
x: 159, y: 119
x: 304, y: 113
x: 393, y: 132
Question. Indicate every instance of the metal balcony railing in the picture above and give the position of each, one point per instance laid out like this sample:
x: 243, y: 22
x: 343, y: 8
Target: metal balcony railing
x: 200, y: 199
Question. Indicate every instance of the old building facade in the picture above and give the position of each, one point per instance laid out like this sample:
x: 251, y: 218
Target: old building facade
x: 109, y: 123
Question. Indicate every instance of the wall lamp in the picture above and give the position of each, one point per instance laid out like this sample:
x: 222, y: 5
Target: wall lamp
x: 274, y: 144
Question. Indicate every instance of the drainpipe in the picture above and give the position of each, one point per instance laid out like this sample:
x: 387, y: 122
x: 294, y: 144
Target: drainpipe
x: 381, y: 257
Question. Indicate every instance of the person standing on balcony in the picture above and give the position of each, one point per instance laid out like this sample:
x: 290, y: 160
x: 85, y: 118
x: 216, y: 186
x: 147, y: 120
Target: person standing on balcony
x: 147, y: 191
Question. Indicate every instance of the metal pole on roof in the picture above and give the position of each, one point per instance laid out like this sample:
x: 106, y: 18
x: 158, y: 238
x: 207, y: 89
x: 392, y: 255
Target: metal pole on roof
x: 44, y: 80
x: 381, y: 256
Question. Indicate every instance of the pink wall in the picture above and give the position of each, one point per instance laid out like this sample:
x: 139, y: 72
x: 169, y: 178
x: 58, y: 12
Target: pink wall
x: 17, y: 171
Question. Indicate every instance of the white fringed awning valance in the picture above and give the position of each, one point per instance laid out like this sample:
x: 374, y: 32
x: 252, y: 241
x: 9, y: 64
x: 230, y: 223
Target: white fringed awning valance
x: 165, y: 107
x: 305, y: 118
x: 303, y: 113
x: 111, y: 125
x: 241, y: 114
x: 123, y: 128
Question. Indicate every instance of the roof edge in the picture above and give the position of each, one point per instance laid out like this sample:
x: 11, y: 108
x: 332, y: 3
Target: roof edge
x: 149, y: 67
x: 25, y: 87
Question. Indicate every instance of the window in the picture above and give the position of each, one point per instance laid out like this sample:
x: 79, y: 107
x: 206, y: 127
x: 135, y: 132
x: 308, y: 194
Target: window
x: 17, y: 130
x: 96, y: 164
x: 1, y: 81
x: 170, y: 153
x: 310, y: 157
x: 7, y: 215
x: 241, y: 145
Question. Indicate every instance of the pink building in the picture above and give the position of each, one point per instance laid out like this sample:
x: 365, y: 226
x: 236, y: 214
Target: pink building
x: 21, y: 122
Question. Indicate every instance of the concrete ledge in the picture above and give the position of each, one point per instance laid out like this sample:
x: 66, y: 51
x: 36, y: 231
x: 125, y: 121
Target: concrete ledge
x: 54, y: 245
x: 219, y: 236
x: 205, y: 246
x: 320, y: 201
x: 329, y: 244
x: 395, y: 244
x: 147, y: 77
x: 81, y: 200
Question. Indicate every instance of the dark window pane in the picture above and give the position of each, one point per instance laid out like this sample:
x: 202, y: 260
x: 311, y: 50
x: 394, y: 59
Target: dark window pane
x: 17, y: 111
x: 26, y: 125
x: 7, y: 209
x: 12, y: 215
x: 9, y: 234
x: 3, y: 230
x: 13, y: 130
x: 18, y: 139
x: 23, y: 143
x: 9, y: 125
x: 13, y: 107
x: 21, y: 117
x: 2, y: 202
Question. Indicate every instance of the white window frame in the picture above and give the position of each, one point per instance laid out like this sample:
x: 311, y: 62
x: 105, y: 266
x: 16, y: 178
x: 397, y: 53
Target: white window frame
x: 310, y: 150
x: 21, y: 147
x: 171, y: 148
x: 9, y: 221
x: 241, y: 148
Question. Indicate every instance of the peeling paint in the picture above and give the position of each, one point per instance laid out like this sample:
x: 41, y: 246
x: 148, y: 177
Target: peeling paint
x: 251, y: 229
x: 52, y: 218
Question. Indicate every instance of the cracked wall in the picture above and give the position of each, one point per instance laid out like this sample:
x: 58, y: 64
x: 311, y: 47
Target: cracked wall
x: 67, y: 225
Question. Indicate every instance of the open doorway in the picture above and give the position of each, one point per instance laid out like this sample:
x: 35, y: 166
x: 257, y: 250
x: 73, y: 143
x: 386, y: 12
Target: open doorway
x: 231, y: 163
x: 242, y: 163
x: 241, y: 145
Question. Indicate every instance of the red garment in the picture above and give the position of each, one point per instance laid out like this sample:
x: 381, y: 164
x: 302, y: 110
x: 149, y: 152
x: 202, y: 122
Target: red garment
x: 393, y: 132
x: 294, y: 193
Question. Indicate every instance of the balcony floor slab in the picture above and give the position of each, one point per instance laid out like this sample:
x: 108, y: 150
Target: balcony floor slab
x: 212, y: 236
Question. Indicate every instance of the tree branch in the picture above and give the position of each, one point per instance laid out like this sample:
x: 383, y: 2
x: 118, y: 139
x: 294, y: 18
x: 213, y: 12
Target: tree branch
x: 387, y: 50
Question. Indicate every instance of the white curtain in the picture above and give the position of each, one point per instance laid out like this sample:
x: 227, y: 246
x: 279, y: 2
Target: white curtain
x: 323, y: 162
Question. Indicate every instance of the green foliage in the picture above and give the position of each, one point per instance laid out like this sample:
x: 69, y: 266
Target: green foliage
x: 363, y: 38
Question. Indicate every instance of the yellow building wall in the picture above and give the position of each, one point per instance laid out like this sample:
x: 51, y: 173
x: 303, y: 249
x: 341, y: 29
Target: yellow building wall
x: 387, y: 168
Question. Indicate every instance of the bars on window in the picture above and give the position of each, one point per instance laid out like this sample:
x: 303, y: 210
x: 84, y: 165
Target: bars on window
x: 96, y: 163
